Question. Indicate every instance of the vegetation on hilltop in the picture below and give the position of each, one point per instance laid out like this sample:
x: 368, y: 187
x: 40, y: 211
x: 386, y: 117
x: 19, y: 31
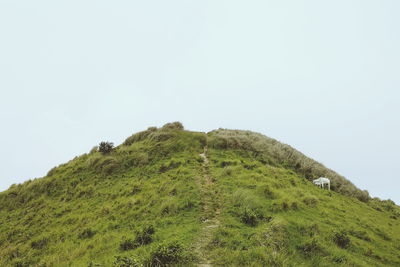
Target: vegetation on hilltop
x: 162, y: 199
x: 272, y: 152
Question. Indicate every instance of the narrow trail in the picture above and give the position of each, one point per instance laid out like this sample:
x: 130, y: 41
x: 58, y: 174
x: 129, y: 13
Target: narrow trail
x: 211, y: 211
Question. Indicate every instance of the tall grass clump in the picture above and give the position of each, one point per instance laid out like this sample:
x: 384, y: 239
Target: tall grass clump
x: 143, y: 236
x: 247, y: 207
x: 140, y: 136
x: 341, y: 239
x: 168, y: 254
x: 125, y: 261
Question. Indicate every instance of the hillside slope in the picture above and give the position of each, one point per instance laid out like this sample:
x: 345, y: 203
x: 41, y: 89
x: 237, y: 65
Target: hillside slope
x: 173, y: 197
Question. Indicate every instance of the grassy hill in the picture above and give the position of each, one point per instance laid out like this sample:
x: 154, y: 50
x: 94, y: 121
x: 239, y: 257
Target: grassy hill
x: 167, y: 196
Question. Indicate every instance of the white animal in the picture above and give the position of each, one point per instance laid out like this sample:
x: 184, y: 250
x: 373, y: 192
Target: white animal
x: 322, y: 182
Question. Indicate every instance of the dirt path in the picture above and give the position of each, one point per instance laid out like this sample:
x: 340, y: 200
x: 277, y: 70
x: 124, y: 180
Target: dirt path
x: 211, y: 211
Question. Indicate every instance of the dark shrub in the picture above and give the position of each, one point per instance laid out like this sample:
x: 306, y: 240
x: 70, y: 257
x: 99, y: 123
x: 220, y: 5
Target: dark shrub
x: 167, y: 254
x: 341, y: 239
x: 249, y: 217
x: 126, y: 262
x: 145, y: 235
x: 87, y: 233
x: 106, y: 147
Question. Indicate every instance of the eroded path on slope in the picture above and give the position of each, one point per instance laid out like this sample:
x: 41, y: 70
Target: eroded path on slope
x: 211, y: 211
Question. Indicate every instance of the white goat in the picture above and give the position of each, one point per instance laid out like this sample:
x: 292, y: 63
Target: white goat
x: 322, y: 182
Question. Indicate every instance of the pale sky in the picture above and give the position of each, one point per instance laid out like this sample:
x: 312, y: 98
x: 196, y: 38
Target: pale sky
x: 321, y: 76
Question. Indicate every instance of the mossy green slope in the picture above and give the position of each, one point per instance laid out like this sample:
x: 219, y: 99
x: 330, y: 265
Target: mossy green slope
x: 156, y: 201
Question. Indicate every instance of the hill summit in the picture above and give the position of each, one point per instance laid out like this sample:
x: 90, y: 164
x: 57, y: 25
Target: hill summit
x: 172, y: 197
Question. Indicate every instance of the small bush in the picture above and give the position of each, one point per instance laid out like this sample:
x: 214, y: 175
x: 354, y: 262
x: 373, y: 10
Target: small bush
x: 106, y: 147
x: 341, y: 239
x: 166, y: 254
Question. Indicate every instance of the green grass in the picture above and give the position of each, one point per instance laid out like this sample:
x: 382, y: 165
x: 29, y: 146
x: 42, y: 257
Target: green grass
x: 296, y: 222
x: 144, y: 204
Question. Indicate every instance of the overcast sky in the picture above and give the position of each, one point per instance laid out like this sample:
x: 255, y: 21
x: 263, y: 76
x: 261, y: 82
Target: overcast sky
x: 321, y: 76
